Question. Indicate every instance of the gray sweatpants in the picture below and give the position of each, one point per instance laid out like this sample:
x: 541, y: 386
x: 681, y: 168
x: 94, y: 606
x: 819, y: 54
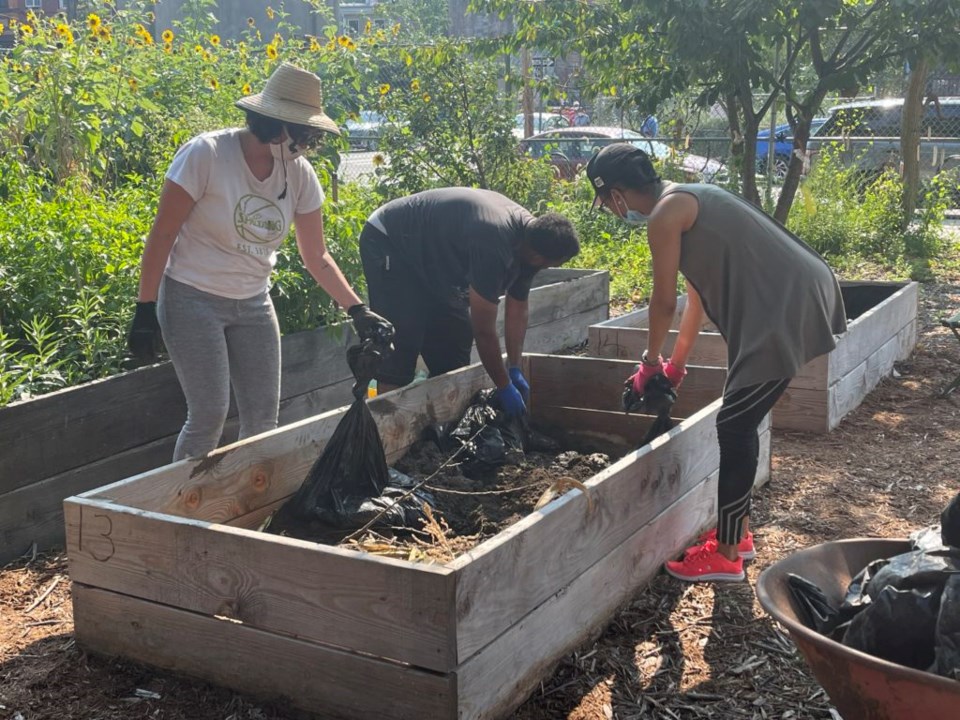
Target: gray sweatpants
x: 215, y: 342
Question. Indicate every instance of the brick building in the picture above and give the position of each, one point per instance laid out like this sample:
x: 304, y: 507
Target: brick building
x: 17, y: 10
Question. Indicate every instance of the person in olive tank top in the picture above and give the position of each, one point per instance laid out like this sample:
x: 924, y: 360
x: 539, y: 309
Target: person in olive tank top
x: 773, y: 298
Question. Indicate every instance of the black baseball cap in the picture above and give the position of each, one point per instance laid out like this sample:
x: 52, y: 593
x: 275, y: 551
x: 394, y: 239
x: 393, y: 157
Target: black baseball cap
x: 620, y: 163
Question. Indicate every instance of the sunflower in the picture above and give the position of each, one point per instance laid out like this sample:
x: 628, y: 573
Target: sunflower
x: 246, y: 89
x: 207, y: 57
x: 103, y: 33
x: 167, y: 36
x: 93, y: 22
x: 378, y: 160
x: 415, y: 85
x: 168, y: 48
x: 270, y: 12
x: 368, y: 27
x: 343, y: 40
x: 351, y: 45
x: 251, y: 22
x: 132, y: 82
x: 395, y: 29
x: 272, y: 52
x: 314, y: 45
x: 199, y: 49
x: 26, y: 30
x: 64, y: 32
x: 426, y: 97
x: 2, y: 28
x: 215, y: 40
x: 384, y: 88
x: 213, y: 83
x: 13, y: 23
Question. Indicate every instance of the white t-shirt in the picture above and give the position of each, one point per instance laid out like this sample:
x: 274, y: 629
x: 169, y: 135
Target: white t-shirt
x: 228, y: 244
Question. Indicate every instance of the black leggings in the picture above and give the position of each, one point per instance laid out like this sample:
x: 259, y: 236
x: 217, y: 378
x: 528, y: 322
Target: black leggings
x: 737, y: 423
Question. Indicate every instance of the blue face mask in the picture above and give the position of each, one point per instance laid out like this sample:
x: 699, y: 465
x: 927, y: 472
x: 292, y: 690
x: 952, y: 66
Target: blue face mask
x: 635, y: 218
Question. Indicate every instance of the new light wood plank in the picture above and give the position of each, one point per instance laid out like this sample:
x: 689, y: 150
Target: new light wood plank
x: 551, y: 547
x: 598, y: 384
x: 324, y: 680
x: 500, y: 677
x: 324, y: 594
x: 870, y: 331
x: 240, y: 478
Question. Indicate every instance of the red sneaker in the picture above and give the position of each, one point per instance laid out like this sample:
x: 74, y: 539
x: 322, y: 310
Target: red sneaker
x: 703, y: 563
x: 745, y: 547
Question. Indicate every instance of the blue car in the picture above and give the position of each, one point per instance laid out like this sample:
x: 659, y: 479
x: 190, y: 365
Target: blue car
x: 782, y: 147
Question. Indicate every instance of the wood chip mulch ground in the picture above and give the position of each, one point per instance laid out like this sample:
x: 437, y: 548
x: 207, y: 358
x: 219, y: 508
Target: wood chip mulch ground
x: 675, y: 652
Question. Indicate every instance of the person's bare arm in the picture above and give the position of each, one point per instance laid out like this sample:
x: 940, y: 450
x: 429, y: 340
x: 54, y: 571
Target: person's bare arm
x: 690, y: 325
x: 516, y: 316
x: 319, y: 262
x: 483, y: 317
x: 172, y: 211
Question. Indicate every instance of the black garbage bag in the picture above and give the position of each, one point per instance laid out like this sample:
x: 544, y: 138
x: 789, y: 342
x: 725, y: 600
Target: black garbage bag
x: 947, y: 635
x: 856, y: 598
x: 813, y: 608
x: 950, y: 523
x: 658, y: 399
x: 919, y: 568
x: 348, y: 485
x: 898, y: 625
x: 928, y: 538
x: 485, y: 436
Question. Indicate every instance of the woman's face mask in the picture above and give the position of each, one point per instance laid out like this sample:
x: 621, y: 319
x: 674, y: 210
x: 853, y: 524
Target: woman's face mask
x: 634, y: 218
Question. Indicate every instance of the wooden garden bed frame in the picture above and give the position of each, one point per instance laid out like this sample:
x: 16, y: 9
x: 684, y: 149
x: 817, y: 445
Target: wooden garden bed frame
x: 826, y: 388
x: 87, y: 436
x: 166, y: 570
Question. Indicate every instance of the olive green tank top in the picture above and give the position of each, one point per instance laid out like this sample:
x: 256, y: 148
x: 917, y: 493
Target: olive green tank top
x: 774, y: 299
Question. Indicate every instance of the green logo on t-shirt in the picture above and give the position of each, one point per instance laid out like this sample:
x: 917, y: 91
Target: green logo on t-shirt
x: 258, y: 220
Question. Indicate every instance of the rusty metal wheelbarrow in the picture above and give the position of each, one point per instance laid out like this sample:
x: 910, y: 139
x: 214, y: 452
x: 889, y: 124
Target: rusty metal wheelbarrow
x: 861, y: 686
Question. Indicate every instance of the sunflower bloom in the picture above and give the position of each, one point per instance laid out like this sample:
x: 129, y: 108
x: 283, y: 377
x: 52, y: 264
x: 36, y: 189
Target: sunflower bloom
x: 93, y: 22
x: 246, y: 89
x: 199, y: 49
x: 64, y: 32
x: 251, y: 22
x: 213, y: 83
x: 395, y: 29
x: 378, y: 160
x: 270, y: 12
x: 167, y: 36
x: 415, y: 85
x: 132, y: 82
x: 314, y: 45
x: 272, y: 52
x: 277, y: 39
x: 343, y: 40
x: 26, y: 30
x: 351, y: 45
x: 368, y: 27
x: 2, y: 28
x: 426, y: 97
x: 31, y: 17
x: 384, y: 88
x: 215, y: 40
x: 104, y: 33
x: 13, y: 23
x: 168, y: 48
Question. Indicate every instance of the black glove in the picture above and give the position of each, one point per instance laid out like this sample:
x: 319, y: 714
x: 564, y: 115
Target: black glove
x: 144, y: 338
x: 369, y: 325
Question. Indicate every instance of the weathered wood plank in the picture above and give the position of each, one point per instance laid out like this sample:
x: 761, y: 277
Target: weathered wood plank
x: 320, y: 679
x: 871, y: 330
x: 396, y: 610
x: 763, y: 467
x: 557, y: 300
x: 851, y: 390
x: 500, y: 677
x: 801, y: 410
x: 564, y: 539
x: 598, y: 384
x: 239, y: 478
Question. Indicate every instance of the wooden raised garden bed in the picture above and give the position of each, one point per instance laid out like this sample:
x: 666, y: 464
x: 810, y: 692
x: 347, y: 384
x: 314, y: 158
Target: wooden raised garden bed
x: 87, y: 436
x: 881, y: 329
x: 167, y: 571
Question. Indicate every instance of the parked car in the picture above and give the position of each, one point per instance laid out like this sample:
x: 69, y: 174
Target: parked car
x: 782, y: 147
x: 364, y: 132
x: 569, y: 149
x: 867, y: 134
x: 541, y: 122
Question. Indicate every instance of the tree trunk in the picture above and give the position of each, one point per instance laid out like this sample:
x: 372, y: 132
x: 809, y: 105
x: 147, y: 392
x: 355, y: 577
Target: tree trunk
x: 801, y: 133
x: 526, y: 101
x: 748, y: 182
x: 910, y: 138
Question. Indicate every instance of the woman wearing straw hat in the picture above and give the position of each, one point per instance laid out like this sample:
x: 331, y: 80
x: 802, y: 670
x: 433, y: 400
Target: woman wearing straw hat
x: 228, y: 201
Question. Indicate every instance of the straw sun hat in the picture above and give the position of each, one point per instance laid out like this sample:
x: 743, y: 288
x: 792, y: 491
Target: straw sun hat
x: 293, y: 95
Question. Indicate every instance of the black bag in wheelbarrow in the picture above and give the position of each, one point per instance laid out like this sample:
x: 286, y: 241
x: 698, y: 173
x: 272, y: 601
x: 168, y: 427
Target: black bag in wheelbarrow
x: 350, y: 484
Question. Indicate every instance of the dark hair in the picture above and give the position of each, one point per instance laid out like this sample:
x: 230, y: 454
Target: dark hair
x: 265, y: 129
x: 553, y: 236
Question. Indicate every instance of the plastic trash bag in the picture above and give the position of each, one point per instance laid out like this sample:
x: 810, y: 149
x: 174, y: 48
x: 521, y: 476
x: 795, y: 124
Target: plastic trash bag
x: 348, y: 486
x: 950, y: 523
x: 898, y: 625
x: 658, y: 399
x: 919, y: 568
x: 813, y: 607
x: 485, y: 437
x: 928, y: 538
x: 947, y: 635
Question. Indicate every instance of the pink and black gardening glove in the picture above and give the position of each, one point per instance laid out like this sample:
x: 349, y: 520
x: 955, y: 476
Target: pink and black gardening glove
x: 645, y: 371
x: 675, y: 373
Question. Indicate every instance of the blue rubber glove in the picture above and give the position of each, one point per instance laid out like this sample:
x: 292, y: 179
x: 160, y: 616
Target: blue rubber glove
x: 511, y: 401
x: 520, y: 383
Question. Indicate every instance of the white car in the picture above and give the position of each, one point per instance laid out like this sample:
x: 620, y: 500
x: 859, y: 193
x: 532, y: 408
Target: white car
x: 541, y: 122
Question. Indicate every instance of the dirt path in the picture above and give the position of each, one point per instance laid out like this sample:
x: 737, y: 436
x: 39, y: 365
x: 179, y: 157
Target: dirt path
x: 676, y: 652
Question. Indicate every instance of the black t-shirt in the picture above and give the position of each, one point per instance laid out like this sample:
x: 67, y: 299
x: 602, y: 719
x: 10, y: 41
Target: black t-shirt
x: 458, y: 238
